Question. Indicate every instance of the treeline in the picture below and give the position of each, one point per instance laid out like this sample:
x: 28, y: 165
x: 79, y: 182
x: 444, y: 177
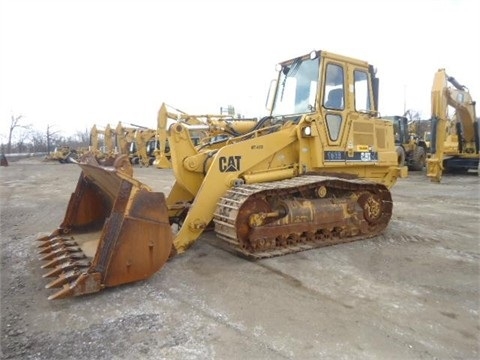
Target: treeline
x: 32, y: 141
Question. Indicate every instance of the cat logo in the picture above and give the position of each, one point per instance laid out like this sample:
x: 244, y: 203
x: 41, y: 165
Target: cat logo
x: 229, y: 164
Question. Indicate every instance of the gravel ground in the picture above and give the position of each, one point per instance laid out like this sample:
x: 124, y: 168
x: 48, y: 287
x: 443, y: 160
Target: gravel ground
x: 411, y: 293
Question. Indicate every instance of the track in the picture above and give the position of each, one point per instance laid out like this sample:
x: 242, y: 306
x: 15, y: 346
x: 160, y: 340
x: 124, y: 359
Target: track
x: 277, y: 218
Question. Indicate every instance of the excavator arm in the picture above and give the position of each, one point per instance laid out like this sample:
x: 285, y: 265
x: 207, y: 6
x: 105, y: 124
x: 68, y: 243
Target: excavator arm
x: 466, y: 124
x: 124, y: 137
x: 142, y: 138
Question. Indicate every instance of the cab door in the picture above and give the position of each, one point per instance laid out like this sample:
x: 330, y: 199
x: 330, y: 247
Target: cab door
x: 334, y: 109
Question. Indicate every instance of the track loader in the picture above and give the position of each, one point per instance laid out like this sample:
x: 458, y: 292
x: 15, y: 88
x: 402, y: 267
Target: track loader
x: 315, y: 172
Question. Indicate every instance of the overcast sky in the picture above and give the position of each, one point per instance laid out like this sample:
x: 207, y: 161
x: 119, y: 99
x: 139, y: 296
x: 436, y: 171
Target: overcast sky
x: 71, y: 64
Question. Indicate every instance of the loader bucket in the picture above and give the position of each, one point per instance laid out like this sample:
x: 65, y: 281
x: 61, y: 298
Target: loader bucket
x: 115, y: 231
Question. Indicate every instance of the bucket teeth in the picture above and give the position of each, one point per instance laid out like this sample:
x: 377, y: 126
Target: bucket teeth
x: 55, y: 240
x: 58, y: 260
x: 48, y: 248
x: 65, y: 292
x: 63, y: 258
x: 67, y: 266
x: 53, y: 237
x: 61, y: 251
x: 63, y: 279
x: 83, y: 283
x: 46, y: 238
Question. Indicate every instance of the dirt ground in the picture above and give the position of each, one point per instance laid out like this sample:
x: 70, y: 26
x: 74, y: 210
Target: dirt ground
x: 411, y: 293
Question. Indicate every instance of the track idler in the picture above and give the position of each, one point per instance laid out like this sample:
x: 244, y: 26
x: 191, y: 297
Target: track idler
x: 115, y: 231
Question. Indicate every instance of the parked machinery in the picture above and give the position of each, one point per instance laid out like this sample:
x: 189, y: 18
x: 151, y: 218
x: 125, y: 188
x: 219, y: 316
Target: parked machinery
x: 168, y: 114
x: 102, y: 142
x: 411, y: 149
x: 124, y: 137
x: 455, y: 138
x: 315, y: 172
x: 146, y: 143
x: 63, y: 154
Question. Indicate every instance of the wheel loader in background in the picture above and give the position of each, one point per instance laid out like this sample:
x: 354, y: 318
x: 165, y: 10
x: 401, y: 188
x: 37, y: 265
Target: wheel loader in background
x: 315, y: 172
x: 411, y: 149
x: 455, y: 140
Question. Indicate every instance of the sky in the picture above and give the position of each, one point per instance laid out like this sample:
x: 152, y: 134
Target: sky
x: 72, y: 64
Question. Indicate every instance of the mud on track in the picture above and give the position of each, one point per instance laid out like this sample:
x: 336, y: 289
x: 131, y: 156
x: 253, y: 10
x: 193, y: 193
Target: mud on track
x: 411, y: 293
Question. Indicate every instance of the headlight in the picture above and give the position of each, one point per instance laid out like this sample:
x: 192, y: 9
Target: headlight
x: 307, y: 131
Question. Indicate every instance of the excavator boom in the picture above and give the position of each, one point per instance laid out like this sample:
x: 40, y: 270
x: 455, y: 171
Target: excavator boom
x: 465, y: 137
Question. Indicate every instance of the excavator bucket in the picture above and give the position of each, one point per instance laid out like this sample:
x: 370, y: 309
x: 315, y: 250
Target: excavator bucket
x: 115, y: 231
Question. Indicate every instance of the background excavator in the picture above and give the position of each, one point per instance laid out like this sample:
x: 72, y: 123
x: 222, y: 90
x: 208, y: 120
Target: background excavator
x: 102, y: 142
x: 145, y: 143
x: 455, y: 138
x: 124, y: 137
x: 315, y: 172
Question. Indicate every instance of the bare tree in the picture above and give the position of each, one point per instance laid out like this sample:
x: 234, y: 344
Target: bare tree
x: 37, y: 140
x: 14, y: 123
x: 412, y: 115
x: 416, y: 124
x: 50, y: 137
x: 82, y: 138
x: 22, y: 145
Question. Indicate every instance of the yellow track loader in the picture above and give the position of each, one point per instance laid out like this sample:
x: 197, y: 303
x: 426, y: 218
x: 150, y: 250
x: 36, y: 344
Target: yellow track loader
x: 315, y: 172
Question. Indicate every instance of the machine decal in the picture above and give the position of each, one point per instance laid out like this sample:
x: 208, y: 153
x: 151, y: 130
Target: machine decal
x: 362, y: 147
x: 229, y: 164
x: 334, y: 156
x: 365, y: 156
x: 337, y: 156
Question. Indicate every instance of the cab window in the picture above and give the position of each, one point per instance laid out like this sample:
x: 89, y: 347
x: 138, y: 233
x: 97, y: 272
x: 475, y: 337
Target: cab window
x: 334, y: 97
x: 362, y: 93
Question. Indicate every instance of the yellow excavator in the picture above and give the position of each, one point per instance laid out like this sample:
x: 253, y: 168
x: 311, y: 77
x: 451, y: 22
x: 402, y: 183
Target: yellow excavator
x: 315, y: 172
x: 102, y: 142
x: 124, y: 137
x: 145, y: 141
x: 454, y: 139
